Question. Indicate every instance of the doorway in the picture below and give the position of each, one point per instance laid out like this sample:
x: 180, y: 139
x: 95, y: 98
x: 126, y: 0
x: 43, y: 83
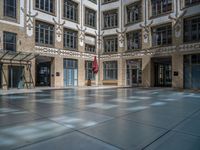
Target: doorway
x: 70, y: 72
x: 15, y: 74
x: 134, y: 72
x: 163, y: 72
x: 43, y: 71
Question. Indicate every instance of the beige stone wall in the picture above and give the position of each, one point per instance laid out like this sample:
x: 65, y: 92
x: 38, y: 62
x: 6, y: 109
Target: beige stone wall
x: 146, y: 71
x: 177, y: 66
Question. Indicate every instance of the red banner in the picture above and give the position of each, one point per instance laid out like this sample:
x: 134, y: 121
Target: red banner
x: 95, y: 67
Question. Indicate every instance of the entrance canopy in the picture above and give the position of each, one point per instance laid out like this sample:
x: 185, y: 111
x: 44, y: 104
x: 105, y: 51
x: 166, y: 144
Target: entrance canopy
x: 22, y: 59
x: 11, y: 57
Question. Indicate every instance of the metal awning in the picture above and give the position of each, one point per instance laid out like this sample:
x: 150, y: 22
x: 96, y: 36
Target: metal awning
x: 18, y: 58
x: 11, y: 56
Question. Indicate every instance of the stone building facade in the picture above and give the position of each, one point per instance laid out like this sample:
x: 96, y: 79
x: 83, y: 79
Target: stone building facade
x: 137, y: 42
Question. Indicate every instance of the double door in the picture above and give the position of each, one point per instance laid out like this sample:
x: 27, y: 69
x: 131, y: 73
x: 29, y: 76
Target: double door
x: 70, y: 72
x: 133, y: 73
x: 15, y: 75
x: 163, y: 74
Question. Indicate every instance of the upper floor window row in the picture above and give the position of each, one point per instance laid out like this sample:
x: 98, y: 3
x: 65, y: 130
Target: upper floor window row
x: 9, y: 41
x: 44, y: 33
x: 10, y: 8
x: 159, y: 7
x: 110, y: 44
x: 45, y: 5
x: 192, y: 29
x: 90, y: 17
x: 108, y: 1
x: 191, y: 2
x: 71, y: 10
x: 110, y: 19
x: 134, y: 13
x: 94, y: 1
x: 162, y: 35
x: 133, y: 39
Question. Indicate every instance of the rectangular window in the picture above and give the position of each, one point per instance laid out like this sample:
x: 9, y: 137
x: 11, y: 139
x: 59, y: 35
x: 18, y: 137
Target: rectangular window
x: 94, y: 1
x: 89, y: 75
x: 71, y: 10
x: 90, y: 48
x: 9, y: 41
x: 162, y: 35
x: 110, y: 70
x: 110, y: 44
x: 191, y: 2
x: 70, y: 39
x: 90, y: 17
x: 133, y: 40
x: 108, y: 1
x: 110, y: 19
x: 134, y: 13
x: 45, y: 5
x: 159, y: 7
x: 44, y: 33
x: 192, y: 29
x: 10, y: 8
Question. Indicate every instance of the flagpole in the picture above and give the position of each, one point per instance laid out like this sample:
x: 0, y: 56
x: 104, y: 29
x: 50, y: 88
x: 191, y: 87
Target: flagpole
x: 99, y: 40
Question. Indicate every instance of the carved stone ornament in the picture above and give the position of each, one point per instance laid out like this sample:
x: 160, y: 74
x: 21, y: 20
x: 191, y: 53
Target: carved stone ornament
x: 121, y: 37
x: 146, y: 28
x: 29, y: 21
x: 59, y: 29
x: 177, y: 22
x: 81, y: 34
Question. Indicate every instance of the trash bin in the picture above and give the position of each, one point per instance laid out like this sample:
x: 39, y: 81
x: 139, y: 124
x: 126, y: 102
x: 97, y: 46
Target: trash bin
x: 89, y: 82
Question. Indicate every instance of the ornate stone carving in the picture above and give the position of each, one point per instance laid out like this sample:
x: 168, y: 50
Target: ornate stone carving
x: 59, y: 29
x: 177, y: 21
x: 146, y: 28
x: 29, y: 22
x: 121, y: 37
x: 81, y: 34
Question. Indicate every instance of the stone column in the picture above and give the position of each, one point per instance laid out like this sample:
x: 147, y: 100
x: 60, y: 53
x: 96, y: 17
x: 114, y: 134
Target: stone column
x: 121, y: 72
x: 146, y: 71
x: 81, y: 72
x: 58, y: 72
x: 5, y: 78
x: 177, y: 68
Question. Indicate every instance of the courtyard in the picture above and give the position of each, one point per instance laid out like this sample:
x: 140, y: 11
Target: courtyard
x: 97, y: 119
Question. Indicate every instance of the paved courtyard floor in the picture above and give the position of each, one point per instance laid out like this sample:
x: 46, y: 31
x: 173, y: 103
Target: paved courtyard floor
x: 100, y: 119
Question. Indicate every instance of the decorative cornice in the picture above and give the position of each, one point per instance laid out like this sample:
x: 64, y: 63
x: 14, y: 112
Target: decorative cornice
x: 160, y: 51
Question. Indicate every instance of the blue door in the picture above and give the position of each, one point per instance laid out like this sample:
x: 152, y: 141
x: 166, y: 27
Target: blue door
x: 192, y: 71
x: 70, y: 72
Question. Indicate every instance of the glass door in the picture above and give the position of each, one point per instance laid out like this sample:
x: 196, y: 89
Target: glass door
x: 43, y: 75
x: 70, y: 72
x: 133, y: 73
x: 1, y: 76
x: 15, y: 75
x: 163, y: 74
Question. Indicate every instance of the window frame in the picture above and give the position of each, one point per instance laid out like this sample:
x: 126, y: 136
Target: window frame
x: 110, y: 67
x: 43, y: 10
x: 126, y: 7
x: 75, y: 43
x: 110, y: 38
x: 14, y: 44
x: 87, y: 17
x: 50, y: 31
x: 110, y: 14
x: 162, y: 26
x: 89, y: 71
x: 139, y: 32
x: 190, y: 40
x: 161, y: 13
x: 15, y: 10
x: 76, y: 5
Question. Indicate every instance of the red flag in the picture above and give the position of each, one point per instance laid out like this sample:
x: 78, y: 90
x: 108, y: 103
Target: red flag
x: 95, y: 67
